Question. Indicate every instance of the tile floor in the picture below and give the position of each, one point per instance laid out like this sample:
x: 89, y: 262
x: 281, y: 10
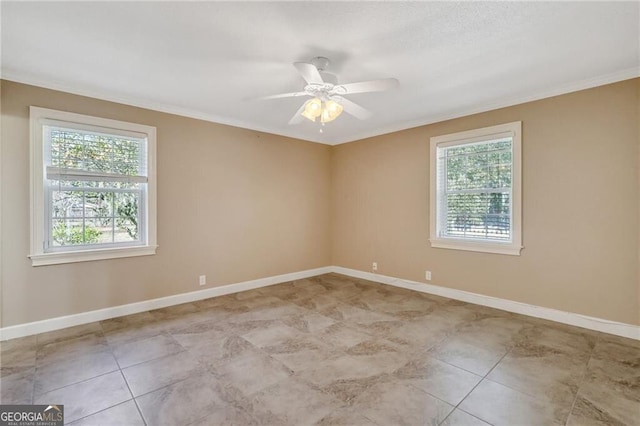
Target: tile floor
x: 329, y: 350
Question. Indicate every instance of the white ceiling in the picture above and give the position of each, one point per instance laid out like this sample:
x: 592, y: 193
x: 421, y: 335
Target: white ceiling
x: 210, y: 59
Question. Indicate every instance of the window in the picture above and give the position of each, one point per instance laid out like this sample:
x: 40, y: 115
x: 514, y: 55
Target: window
x: 93, y: 192
x: 475, y: 198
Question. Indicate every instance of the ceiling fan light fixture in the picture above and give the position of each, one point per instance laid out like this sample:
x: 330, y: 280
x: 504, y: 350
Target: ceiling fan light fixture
x: 313, y: 109
x: 326, y: 110
x: 330, y: 111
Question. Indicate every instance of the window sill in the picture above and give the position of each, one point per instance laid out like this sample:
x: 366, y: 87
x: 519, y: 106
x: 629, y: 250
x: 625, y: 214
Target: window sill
x: 42, y: 259
x: 494, y: 248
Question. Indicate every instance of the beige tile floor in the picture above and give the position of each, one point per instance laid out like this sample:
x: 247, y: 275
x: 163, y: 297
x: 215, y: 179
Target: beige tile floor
x: 329, y: 350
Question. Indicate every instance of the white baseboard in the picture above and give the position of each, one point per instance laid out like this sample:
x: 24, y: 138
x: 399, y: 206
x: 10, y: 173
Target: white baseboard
x: 592, y: 323
x: 57, y: 323
x: 578, y: 320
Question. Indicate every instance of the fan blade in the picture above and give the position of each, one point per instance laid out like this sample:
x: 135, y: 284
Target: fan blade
x: 297, y: 117
x: 283, y: 95
x: 367, y: 86
x: 352, y: 108
x: 309, y: 72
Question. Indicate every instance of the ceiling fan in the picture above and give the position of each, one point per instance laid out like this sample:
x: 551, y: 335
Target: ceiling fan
x: 328, y: 100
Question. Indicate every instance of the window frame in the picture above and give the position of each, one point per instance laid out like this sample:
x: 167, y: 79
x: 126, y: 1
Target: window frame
x: 40, y: 117
x: 513, y: 247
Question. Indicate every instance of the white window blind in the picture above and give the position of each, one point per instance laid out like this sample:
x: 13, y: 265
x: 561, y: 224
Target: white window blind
x: 95, y: 184
x: 474, y: 190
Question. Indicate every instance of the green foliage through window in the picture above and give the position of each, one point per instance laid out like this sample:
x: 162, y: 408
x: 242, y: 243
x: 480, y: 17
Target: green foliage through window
x: 73, y: 149
x: 64, y: 234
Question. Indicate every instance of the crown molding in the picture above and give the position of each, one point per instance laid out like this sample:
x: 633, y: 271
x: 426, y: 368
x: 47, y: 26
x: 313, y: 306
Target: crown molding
x: 563, y: 89
x: 185, y: 112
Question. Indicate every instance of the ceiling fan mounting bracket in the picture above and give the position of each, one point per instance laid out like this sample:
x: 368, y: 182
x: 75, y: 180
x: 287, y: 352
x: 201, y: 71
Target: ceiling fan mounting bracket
x: 320, y: 62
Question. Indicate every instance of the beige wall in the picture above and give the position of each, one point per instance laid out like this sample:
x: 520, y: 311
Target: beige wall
x: 580, y: 206
x: 233, y: 204
x: 236, y: 205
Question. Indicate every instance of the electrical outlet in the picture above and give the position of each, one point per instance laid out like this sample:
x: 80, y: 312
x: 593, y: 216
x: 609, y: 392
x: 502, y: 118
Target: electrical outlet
x: 427, y: 275
x: 203, y: 280
x: 374, y: 266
